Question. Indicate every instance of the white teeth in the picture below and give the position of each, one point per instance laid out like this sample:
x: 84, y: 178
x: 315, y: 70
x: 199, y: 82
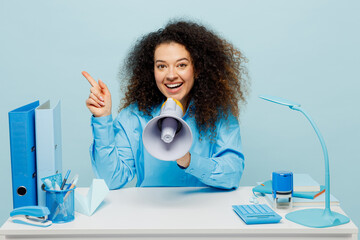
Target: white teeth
x: 173, y: 85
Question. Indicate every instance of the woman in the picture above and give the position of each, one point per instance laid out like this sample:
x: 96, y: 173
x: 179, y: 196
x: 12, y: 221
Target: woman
x: 191, y: 64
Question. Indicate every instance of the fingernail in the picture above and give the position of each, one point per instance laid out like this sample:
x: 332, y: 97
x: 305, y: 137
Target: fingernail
x: 101, y: 98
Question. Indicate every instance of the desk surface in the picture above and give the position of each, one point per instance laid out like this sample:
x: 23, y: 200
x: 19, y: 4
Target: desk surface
x: 151, y: 213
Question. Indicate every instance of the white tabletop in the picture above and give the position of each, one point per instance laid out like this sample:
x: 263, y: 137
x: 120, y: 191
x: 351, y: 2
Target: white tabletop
x: 188, y: 213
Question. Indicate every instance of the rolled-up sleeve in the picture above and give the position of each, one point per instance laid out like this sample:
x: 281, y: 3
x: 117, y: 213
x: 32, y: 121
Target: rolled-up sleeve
x: 111, y: 154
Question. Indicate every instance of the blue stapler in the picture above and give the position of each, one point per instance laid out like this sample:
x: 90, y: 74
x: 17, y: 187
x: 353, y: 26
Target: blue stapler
x: 31, y: 215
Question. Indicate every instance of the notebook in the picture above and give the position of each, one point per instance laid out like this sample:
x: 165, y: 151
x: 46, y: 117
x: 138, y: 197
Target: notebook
x: 305, y: 202
x: 305, y: 183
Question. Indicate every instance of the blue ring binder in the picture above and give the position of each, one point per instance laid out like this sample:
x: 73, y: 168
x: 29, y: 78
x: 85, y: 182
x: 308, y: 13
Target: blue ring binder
x: 23, y: 155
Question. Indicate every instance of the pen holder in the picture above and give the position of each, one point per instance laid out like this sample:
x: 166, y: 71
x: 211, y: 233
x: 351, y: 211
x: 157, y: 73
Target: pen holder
x: 61, y: 204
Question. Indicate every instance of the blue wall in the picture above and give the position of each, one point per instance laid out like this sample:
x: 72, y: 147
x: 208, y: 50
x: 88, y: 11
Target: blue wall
x: 306, y: 51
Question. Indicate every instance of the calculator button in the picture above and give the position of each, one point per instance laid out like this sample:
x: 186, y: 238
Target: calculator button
x: 243, y: 210
x: 262, y: 209
x: 248, y: 209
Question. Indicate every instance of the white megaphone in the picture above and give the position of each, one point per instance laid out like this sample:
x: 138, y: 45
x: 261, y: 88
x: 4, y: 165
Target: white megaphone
x: 168, y: 137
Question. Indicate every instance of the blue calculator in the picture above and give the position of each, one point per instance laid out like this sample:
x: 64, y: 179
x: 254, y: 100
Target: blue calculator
x: 256, y: 214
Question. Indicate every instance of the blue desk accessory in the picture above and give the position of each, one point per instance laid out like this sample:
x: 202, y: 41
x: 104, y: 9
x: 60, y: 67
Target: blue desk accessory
x: 256, y: 214
x: 48, y: 144
x: 282, y: 189
x: 23, y: 155
x: 31, y: 215
x: 313, y: 217
x: 61, y: 204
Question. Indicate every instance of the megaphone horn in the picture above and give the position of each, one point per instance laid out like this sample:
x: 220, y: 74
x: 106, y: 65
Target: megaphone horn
x: 168, y: 137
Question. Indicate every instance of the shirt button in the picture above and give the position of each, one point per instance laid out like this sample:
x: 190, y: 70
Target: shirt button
x: 202, y: 176
x: 191, y: 170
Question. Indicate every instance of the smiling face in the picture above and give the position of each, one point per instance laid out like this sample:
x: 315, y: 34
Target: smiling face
x: 174, y: 71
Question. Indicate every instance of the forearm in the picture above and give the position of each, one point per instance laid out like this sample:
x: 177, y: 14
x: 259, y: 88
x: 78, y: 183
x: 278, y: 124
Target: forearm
x: 219, y: 171
x: 111, y: 156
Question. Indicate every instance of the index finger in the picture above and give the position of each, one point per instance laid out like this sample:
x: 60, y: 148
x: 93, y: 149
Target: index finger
x: 90, y: 79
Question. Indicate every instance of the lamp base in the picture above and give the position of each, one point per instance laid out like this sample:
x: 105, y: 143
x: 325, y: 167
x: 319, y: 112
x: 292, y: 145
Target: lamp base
x: 317, y: 218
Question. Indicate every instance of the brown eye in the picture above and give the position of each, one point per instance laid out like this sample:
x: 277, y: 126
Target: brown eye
x: 161, y: 66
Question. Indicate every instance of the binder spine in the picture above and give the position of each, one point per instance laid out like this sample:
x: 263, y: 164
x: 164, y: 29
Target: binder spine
x: 48, y: 144
x: 23, y: 155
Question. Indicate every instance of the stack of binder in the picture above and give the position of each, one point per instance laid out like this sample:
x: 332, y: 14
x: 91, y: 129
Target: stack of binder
x: 36, y: 150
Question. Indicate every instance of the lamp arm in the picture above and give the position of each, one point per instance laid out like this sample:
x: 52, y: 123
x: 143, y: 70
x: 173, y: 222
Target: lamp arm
x: 326, y: 157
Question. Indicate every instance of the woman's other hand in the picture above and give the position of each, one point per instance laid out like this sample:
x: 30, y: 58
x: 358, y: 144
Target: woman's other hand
x: 99, y: 101
x: 184, y: 161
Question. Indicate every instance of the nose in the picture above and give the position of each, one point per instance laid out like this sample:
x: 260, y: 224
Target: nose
x: 171, y: 74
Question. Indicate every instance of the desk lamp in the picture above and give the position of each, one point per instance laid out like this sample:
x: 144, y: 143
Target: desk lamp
x: 313, y: 217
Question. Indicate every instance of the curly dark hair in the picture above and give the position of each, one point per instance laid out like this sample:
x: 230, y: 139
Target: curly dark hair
x: 220, y: 82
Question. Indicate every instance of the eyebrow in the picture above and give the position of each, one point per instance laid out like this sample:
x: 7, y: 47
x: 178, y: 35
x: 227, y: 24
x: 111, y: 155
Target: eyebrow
x: 181, y: 59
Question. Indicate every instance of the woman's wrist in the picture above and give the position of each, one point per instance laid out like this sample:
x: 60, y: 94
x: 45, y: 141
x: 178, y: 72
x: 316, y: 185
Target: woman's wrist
x: 100, y: 116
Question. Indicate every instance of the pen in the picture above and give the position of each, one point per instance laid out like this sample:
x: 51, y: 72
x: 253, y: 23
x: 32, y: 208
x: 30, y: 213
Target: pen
x: 65, y: 179
x: 73, y: 183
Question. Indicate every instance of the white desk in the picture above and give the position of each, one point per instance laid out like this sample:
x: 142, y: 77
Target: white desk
x: 173, y: 213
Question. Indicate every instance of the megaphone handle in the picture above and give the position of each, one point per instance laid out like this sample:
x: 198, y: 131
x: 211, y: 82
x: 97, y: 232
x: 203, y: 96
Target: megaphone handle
x: 179, y: 125
x: 168, y: 131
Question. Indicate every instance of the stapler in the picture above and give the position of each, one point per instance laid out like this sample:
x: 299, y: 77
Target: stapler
x: 31, y: 215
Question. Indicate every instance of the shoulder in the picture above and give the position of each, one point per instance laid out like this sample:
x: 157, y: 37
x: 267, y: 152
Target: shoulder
x: 133, y: 117
x: 129, y: 110
x: 229, y: 123
x: 129, y: 114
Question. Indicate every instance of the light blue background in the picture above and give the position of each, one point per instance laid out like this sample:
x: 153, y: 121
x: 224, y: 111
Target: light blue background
x: 306, y: 51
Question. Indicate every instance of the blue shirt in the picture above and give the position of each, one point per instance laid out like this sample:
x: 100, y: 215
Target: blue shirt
x: 118, y: 154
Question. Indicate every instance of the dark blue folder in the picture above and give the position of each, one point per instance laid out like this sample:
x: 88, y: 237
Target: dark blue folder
x: 23, y: 155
